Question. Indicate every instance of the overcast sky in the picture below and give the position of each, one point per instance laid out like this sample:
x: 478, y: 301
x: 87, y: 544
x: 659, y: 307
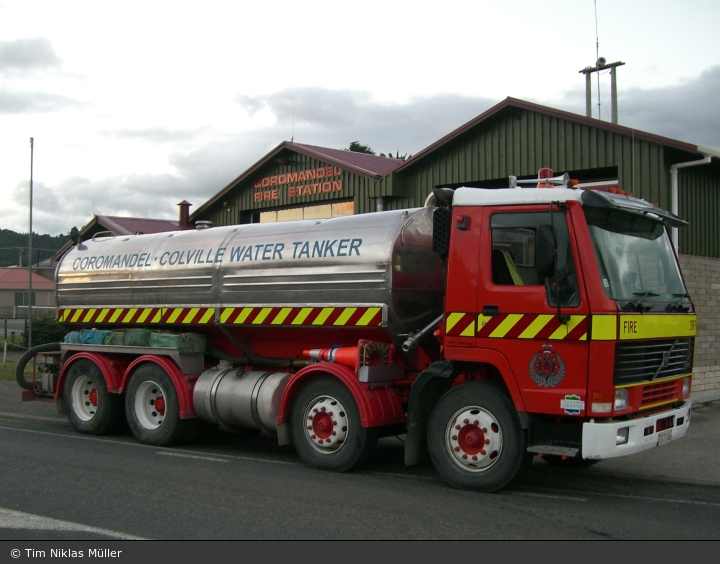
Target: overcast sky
x: 135, y: 106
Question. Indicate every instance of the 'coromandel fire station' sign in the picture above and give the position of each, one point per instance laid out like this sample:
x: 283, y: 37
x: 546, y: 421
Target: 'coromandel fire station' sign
x: 268, y: 188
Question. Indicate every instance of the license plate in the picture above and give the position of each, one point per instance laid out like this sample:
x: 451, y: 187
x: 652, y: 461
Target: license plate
x: 664, y: 437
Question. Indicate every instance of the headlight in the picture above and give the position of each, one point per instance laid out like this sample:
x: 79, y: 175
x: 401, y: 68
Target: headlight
x: 622, y: 436
x: 686, y: 386
x: 621, y: 399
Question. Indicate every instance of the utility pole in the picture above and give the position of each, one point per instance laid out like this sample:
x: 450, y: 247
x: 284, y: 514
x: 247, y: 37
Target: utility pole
x: 602, y: 65
x: 30, y: 251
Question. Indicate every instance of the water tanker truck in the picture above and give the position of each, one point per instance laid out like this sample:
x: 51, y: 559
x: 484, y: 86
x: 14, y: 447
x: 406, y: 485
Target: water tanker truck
x: 489, y: 326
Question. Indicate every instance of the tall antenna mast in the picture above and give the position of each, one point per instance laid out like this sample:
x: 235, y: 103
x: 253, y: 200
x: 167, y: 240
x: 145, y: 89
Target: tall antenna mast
x: 601, y: 64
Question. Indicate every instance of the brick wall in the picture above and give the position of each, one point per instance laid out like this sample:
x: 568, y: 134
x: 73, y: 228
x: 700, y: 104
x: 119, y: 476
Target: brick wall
x: 702, y: 276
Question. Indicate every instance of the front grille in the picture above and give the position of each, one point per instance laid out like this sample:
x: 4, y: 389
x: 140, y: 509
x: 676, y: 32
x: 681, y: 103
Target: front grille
x: 658, y: 393
x: 641, y: 361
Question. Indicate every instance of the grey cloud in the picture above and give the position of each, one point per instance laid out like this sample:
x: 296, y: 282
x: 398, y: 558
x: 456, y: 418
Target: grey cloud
x: 154, y: 134
x: 28, y: 54
x: 34, y: 102
x: 686, y: 112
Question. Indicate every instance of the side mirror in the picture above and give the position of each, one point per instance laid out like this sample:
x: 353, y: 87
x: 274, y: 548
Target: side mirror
x: 545, y: 252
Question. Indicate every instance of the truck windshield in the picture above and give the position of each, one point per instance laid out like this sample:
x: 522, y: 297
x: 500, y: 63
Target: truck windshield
x: 636, y: 261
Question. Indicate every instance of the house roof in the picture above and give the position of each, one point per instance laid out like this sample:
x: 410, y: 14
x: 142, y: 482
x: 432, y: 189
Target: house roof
x: 17, y: 279
x: 522, y: 104
x: 362, y: 164
x: 134, y: 225
x: 120, y: 226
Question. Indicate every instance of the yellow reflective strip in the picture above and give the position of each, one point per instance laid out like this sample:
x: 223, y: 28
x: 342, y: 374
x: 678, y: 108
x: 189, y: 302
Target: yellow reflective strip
x: 324, y: 314
x: 103, y: 314
x: 506, y: 324
x: 144, y: 314
x: 175, y: 314
x: 452, y: 320
x: 62, y: 315
x: 302, y: 316
x: 604, y: 327
x: 345, y: 315
x: 191, y: 313
x: 244, y: 314
x: 649, y: 326
x: 264, y: 312
x: 131, y: 312
x: 76, y: 316
x: 226, y: 313
x: 280, y: 317
x: 469, y: 331
x: 536, y: 326
x: 583, y: 338
x: 115, y: 315
x: 158, y: 315
x: 564, y: 330
x: 88, y: 316
x: 209, y: 314
x: 368, y: 316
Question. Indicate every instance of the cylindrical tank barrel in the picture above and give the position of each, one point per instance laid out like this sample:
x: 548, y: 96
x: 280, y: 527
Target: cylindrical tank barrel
x: 383, y: 259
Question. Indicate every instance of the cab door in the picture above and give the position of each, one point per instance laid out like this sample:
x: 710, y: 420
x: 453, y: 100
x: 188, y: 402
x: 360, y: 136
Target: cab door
x: 518, y: 313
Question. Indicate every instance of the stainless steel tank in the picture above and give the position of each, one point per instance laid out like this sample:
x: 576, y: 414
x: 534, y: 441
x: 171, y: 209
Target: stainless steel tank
x: 379, y: 259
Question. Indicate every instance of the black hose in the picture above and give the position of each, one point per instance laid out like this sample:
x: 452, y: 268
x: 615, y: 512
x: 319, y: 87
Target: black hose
x: 20, y: 370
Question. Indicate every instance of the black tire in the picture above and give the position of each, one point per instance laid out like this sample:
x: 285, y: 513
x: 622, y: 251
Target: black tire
x: 153, y: 422
x: 325, y: 427
x: 88, y: 405
x: 568, y: 462
x: 475, y: 438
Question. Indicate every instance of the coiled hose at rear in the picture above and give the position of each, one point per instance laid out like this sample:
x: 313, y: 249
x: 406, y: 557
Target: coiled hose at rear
x: 24, y: 359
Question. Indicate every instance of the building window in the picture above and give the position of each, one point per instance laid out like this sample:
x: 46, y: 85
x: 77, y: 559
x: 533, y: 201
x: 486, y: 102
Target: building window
x: 324, y: 211
x: 21, y: 298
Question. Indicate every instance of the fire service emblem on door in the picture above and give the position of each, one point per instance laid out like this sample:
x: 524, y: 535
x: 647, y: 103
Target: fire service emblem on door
x: 547, y: 368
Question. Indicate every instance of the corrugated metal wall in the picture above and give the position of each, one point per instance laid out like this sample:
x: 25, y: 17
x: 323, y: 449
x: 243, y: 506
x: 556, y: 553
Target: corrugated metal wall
x: 520, y: 142
x: 699, y: 189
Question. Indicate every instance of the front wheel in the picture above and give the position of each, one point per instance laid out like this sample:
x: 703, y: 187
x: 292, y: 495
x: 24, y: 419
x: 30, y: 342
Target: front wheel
x: 326, y: 429
x: 152, y: 408
x: 89, y: 406
x: 475, y: 438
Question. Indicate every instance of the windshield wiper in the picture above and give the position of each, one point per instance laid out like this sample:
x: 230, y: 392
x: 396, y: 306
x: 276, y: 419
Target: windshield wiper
x: 675, y: 304
x: 636, y: 304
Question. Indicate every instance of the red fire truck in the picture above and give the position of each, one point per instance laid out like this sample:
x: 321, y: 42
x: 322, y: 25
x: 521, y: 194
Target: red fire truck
x: 489, y: 326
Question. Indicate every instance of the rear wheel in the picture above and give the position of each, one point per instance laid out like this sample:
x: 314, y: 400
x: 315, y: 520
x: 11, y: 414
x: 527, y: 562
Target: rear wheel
x: 152, y: 408
x: 326, y: 429
x: 475, y: 438
x: 88, y: 404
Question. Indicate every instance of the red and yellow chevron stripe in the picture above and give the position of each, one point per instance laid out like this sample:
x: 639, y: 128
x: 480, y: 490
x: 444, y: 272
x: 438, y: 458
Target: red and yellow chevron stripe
x: 272, y: 316
x: 516, y: 326
x: 139, y: 315
x: 303, y: 316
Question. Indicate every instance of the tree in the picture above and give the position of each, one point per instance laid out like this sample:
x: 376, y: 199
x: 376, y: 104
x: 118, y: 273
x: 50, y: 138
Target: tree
x: 357, y: 147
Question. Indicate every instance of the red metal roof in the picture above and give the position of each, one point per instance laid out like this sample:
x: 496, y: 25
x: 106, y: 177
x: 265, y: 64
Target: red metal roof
x: 17, y: 279
x: 134, y: 225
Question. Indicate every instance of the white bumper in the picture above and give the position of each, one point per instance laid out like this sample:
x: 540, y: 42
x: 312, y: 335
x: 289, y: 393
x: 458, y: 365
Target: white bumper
x: 599, y: 440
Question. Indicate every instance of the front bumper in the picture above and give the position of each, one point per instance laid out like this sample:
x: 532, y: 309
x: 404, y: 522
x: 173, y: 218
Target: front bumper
x: 599, y: 439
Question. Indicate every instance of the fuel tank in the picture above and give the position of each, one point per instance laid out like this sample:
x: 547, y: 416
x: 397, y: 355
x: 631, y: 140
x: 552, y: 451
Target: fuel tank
x: 381, y: 260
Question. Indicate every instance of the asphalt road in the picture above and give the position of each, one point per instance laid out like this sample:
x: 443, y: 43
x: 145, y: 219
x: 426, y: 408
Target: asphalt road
x: 57, y: 484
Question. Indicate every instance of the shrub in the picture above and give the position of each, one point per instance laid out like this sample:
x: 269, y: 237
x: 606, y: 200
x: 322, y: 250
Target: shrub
x: 45, y: 329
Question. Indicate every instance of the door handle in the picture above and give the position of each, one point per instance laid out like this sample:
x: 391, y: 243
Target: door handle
x: 491, y: 310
